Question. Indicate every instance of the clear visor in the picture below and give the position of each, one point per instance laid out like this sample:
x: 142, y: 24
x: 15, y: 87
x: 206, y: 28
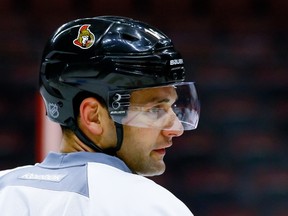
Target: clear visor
x: 171, y: 107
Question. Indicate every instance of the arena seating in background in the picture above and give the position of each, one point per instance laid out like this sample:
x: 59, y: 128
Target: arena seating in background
x: 235, y: 163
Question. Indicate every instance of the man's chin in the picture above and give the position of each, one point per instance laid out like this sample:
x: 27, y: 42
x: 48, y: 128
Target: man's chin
x: 159, y: 170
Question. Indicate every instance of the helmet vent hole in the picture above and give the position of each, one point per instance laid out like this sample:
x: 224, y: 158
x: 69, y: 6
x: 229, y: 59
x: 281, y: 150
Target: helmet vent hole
x: 129, y: 37
x: 56, y: 93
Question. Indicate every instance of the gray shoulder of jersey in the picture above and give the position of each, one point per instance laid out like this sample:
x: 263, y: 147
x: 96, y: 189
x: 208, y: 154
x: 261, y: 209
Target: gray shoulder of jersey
x: 59, y: 171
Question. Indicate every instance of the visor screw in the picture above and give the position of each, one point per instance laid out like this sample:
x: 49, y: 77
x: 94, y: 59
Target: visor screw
x: 183, y: 75
x: 174, y: 75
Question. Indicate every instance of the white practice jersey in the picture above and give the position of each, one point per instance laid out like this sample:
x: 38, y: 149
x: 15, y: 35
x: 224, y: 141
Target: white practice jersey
x: 83, y: 184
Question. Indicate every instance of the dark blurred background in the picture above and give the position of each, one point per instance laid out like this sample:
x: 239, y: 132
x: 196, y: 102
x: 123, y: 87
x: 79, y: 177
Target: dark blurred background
x: 235, y: 163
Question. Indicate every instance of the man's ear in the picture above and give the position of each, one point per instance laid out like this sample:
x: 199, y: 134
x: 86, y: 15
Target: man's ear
x: 89, y: 116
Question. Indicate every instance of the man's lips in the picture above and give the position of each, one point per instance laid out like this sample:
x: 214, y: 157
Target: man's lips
x: 162, y: 150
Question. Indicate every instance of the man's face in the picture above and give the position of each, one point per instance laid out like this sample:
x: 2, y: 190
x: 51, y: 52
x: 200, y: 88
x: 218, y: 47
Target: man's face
x: 144, y: 143
x: 85, y: 38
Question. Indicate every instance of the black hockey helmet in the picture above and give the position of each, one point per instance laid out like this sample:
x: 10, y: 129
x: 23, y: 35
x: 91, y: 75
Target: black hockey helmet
x: 103, y: 55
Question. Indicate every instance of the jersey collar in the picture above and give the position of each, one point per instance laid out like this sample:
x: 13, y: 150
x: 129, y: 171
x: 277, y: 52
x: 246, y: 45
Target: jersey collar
x: 63, y: 160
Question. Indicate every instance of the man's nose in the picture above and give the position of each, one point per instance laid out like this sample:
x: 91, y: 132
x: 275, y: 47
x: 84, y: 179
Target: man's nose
x: 174, y: 127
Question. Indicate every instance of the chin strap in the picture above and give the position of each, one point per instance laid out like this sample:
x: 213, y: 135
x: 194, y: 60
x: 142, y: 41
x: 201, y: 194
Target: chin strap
x: 111, y: 151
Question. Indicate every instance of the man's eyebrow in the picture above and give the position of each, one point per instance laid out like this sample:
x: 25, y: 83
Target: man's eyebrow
x: 158, y: 100
x: 165, y: 100
x: 161, y: 100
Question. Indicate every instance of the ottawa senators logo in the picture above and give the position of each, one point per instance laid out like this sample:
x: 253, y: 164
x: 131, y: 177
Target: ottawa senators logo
x: 85, y: 38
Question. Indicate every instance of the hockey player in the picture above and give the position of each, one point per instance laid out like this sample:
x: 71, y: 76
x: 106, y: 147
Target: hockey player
x: 119, y: 94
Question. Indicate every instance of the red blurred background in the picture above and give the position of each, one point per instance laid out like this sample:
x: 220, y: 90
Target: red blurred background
x: 236, y: 162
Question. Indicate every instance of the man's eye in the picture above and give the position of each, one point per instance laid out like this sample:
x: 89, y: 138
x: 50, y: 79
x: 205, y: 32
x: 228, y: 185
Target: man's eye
x: 155, y: 112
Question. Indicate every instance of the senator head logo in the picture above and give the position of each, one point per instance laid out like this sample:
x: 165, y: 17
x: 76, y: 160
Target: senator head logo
x: 85, y: 38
